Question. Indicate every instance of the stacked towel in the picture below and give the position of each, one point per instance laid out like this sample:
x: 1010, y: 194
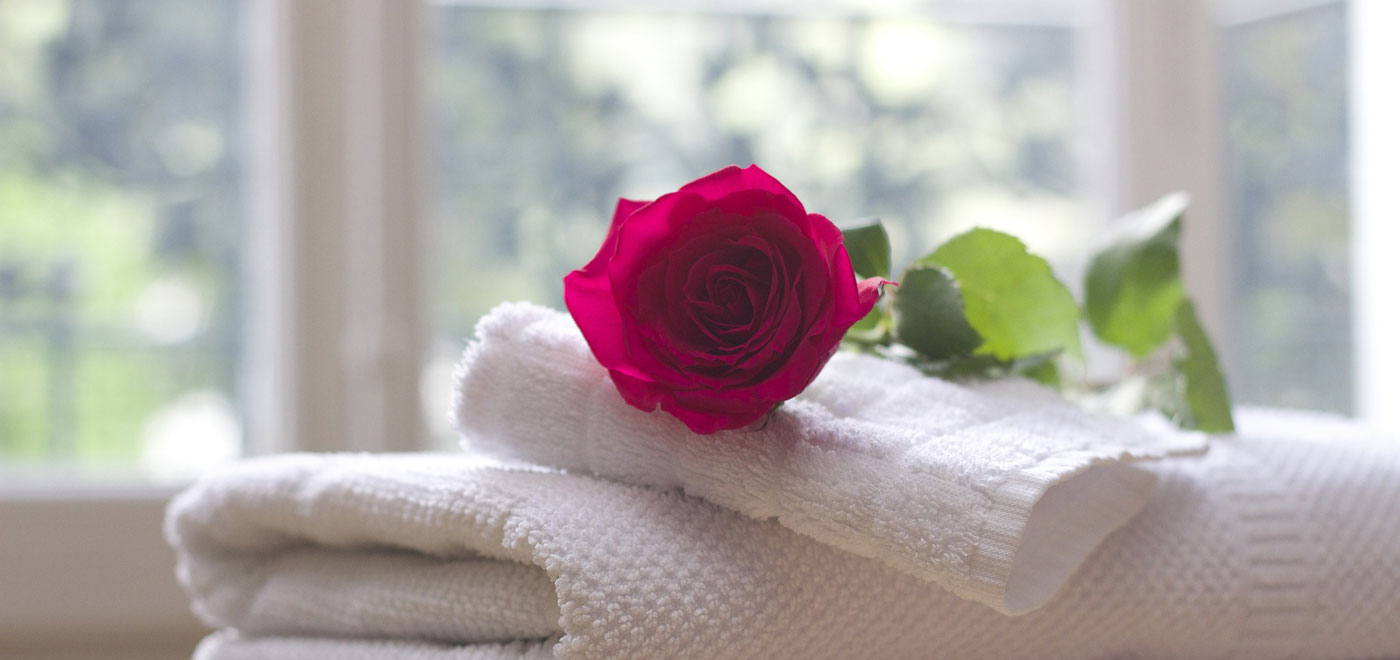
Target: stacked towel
x: 996, y: 491
x: 1281, y: 542
x: 875, y: 516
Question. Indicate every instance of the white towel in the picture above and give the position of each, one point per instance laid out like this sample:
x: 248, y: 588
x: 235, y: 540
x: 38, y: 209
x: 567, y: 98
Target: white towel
x: 1279, y: 543
x: 228, y: 645
x: 995, y: 491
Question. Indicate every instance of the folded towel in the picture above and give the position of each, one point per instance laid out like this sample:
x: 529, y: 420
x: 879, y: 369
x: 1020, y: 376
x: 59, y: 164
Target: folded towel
x: 228, y: 645
x: 996, y: 491
x: 1281, y: 542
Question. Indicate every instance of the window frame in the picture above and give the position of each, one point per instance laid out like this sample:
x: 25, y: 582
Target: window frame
x: 337, y: 327
x: 1375, y: 210
x: 1157, y: 93
x: 336, y: 323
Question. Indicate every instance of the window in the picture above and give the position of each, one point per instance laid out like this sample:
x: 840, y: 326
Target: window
x: 543, y: 118
x: 121, y: 210
x: 122, y: 239
x: 1286, y: 155
x: 122, y: 265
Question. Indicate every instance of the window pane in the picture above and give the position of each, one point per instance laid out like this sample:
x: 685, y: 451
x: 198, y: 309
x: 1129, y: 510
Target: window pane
x: 1285, y: 95
x: 120, y: 208
x: 542, y: 118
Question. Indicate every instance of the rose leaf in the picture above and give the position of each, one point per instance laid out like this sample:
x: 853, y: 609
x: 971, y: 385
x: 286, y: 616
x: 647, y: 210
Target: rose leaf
x: 1012, y: 298
x: 1043, y: 370
x: 1206, y: 398
x: 1133, y: 287
x: 872, y: 329
x: 869, y: 247
x: 929, y: 316
x: 1039, y: 368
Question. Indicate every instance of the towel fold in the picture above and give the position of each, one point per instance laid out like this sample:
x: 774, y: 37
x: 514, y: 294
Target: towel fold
x: 396, y: 594
x: 228, y: 645
x: 996, y: 491
x: 1279, y: 543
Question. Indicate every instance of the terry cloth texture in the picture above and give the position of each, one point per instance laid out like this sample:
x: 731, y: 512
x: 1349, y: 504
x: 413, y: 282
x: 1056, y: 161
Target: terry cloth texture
x: 1279, y: 543
x: 231, y: 646
x: 996, y: 491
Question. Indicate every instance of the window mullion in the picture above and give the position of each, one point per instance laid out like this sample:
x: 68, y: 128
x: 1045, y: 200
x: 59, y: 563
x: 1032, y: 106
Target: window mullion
x: 1157, y: 66
x: 1374, y: 106
x: 338, y: 326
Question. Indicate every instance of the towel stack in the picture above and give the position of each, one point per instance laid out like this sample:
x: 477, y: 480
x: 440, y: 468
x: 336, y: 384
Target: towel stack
x: 881, y: 514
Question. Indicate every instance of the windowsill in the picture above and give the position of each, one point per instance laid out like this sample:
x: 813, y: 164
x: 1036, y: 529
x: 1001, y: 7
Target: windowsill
x: 56, y: 480
x: 88, y: 561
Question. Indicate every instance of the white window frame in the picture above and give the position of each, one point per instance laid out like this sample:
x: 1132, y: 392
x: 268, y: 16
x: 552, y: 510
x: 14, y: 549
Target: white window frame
x: 1159, y: 112
x: 1375, y: 209
x: 336, y: 325
x: 337, y: 328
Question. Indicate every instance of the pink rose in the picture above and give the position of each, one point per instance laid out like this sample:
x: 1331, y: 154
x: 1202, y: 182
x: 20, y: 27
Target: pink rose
x: 717, y: 301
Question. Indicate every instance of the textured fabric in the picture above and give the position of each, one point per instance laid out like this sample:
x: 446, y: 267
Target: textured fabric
x: 231, y: 646
x: 996, y: 492
x: 1280, y: 543
x: 395, y: 594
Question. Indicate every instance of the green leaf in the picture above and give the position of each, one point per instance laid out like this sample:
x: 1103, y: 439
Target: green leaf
x: 1043, y: 371
x: 1133, y: 286
x: 869, y: 247
x: 1011, y: 296
x: 929, y: 317
x: 1207, y: 399
x: 1040, y: 368
x: 872, y: 329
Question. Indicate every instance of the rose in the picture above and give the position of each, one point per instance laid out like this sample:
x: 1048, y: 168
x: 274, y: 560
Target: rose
x: 718, y: 301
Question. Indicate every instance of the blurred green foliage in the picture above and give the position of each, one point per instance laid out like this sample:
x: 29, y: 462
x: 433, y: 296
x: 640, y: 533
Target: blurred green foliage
x: 1133, y: 286
x: 542, y: 119
x: 1286, y: 150
x: 120, y: 205
x: 121, y: 145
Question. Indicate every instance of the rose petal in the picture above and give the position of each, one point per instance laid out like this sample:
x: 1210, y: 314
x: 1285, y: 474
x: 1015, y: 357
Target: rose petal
x: 691, y: 311
x: 704, y: 262
x: 709, y: 412
x: 804, y: 262
x: 807, y: 359
x: 868, y: 293
x: 825, y: 234
x: 589, y: 298
x: 725, y: 182
x: 776, y: 343
x: 653, y: 230
x: 719, y: 300
x: 755, y: 203
x: 638, y: 393
x: 625, y: 207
